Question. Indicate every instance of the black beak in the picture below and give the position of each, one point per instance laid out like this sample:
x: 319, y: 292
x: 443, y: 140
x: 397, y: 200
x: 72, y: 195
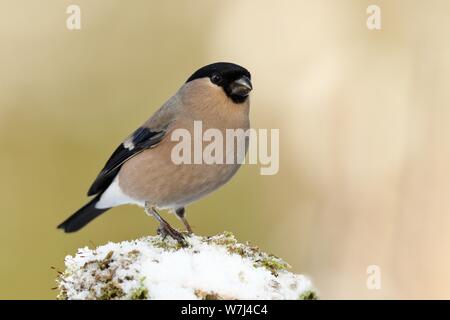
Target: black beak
x: 241, y: 87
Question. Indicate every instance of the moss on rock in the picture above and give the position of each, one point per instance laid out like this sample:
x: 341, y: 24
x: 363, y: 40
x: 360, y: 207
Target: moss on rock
x: 308, y: 295
x: 111, y: 291
x: 141, y: 270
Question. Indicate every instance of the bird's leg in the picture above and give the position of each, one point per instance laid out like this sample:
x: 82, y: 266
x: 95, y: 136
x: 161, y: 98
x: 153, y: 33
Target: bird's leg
x: 180, y: 214
x: 164, y: 228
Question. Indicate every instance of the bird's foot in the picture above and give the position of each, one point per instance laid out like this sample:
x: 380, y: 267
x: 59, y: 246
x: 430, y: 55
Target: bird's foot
x: 165, y: 230
x: 188, y: 227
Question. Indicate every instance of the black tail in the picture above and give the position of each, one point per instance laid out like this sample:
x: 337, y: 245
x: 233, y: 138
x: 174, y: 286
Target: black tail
x: 82, y: 217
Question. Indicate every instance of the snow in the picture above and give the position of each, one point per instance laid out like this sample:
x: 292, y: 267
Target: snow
x: 215, y: 267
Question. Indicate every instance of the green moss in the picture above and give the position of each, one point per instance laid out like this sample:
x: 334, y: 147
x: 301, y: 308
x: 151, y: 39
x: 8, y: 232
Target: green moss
x: 308, y: 295
x: 141, y: 292
x: 261, y: 259
x: 168, y: 244
x: 226, y: 238
x: 273, y: 264
x: 111, y: 291
x: 104, y: 273
x: 227, y: 234
x: 237, y: 250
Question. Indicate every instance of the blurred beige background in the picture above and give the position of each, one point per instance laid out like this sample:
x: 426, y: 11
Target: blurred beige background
x: 363, y: 116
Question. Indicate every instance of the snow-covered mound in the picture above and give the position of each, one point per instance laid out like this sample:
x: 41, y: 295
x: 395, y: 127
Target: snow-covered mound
x: 215, y: 267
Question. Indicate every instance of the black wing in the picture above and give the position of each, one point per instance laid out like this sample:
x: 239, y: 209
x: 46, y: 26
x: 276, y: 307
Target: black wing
x: 141, y: 139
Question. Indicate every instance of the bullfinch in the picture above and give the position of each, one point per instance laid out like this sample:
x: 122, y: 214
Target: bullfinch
x: 141, y: 170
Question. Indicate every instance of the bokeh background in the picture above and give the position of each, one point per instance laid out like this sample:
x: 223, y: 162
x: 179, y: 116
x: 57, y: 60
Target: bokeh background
x: 364, y: 119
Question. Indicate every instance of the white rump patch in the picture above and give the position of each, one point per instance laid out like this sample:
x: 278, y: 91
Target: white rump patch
x: 114, y: 196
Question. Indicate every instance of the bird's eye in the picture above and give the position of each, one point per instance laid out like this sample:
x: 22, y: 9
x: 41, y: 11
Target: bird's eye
x: 216, y: 78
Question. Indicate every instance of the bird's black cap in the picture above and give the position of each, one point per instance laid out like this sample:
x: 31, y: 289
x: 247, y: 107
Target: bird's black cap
x: 226, y: 75
x: 227, y: 70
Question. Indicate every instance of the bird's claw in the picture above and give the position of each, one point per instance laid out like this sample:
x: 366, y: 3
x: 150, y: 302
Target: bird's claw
x: 165, y: 230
